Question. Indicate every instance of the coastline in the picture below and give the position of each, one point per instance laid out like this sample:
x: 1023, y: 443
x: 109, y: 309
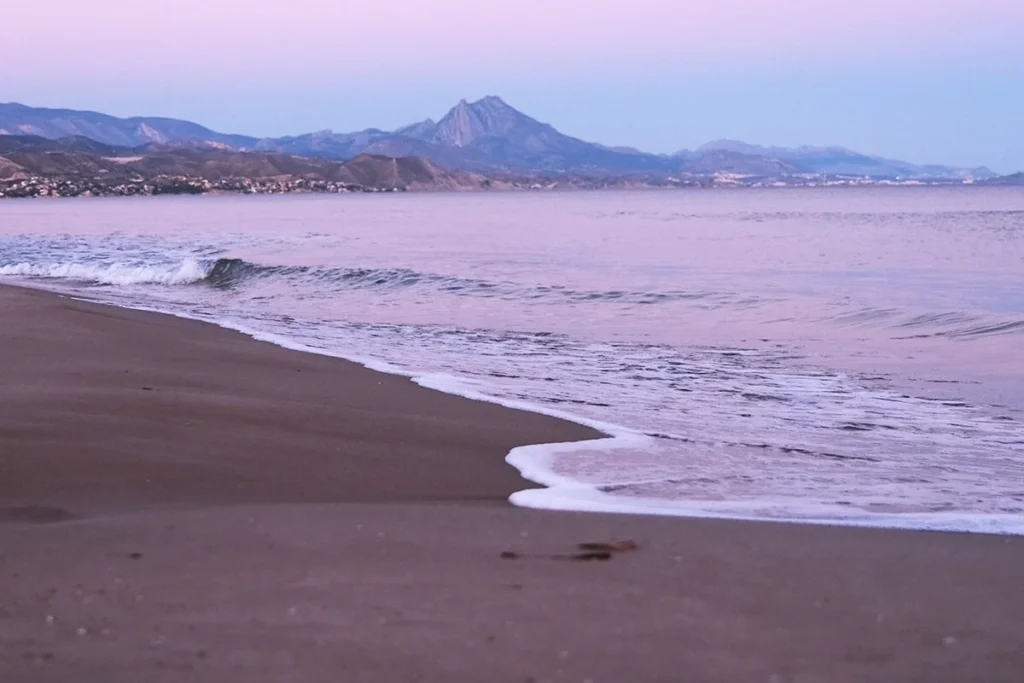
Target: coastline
x: 199, y: 390
x: 545, y: 489
x: 181, y: 500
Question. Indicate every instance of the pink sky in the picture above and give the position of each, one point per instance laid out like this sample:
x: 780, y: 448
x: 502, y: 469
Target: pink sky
x: 129, y: 38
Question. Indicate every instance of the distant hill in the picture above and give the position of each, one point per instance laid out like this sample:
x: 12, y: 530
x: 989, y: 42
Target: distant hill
x: 410, y: 173
x: 325, y: 143
x: 17, y: 119
x: 10, y: 170
x: 713, y: 161
x: 35, y: 143
x: 487, y: 136
x: 1014, y: 180
x: 71, y: 158
x: 841, y: 161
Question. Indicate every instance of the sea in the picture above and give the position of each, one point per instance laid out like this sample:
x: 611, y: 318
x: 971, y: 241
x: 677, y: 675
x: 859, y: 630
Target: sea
x: 841, y: 356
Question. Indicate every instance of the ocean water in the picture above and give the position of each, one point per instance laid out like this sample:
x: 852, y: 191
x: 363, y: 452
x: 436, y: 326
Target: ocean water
x: 850, y: 356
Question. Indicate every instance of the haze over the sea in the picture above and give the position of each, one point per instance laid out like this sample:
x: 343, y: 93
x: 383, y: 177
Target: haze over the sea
x: 912, y: 79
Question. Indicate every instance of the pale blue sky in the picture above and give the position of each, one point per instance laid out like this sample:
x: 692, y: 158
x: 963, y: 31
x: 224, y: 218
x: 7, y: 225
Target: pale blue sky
x: 922, y: 80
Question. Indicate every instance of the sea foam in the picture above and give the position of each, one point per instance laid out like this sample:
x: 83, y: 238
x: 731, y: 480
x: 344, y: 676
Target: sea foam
x: 537, y: 463
x: 184, y: 272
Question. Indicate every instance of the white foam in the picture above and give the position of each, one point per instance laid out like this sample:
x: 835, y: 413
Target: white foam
x: 575, y: 497
x: 536, y: 463
x: 188, y: 271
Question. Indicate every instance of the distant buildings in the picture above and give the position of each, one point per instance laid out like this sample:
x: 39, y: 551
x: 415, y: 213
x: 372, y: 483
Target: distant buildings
x: 37, y: 186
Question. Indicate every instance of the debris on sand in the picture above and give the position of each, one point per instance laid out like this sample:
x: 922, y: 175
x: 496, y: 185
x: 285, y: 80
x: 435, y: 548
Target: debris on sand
x: 601, y: 552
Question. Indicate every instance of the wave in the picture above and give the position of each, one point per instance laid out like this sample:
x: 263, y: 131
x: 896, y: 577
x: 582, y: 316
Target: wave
x: 184, y: 272
x: 229, y: 273
x: 233, y: 272
x: 982, y: 329
x: 948, y: 324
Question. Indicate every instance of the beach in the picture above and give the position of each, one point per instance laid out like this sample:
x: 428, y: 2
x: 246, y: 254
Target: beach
x: 179, y: 502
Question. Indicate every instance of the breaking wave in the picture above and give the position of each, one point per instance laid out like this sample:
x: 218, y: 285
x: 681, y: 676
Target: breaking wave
x: 235, y: 273
x: 228, y: 273
x: 184, y: 272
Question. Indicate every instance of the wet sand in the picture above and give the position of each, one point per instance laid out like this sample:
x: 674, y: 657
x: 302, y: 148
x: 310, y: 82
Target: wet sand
x: 182, y: 503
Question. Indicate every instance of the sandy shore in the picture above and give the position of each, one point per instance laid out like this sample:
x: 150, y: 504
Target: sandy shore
x: 181, y: 503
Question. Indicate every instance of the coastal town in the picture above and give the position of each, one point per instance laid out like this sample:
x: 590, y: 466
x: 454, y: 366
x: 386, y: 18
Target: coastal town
x: 56, y: 187
x: 39, y: 186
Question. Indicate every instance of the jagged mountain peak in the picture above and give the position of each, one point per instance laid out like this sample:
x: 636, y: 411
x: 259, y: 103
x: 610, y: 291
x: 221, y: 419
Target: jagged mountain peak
x: 469, y: 121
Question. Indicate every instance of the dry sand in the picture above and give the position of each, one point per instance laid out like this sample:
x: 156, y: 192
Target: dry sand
x: 181, y: 503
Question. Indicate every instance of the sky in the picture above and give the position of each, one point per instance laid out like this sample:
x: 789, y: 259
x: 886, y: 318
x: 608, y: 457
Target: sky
x: 930, y: 81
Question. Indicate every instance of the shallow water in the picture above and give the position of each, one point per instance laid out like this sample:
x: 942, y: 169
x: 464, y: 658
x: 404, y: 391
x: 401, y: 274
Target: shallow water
x: 849, y: 356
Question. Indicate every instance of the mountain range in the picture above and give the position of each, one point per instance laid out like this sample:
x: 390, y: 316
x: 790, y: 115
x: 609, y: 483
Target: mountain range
x: 487, y: 136
x: 840, y: 161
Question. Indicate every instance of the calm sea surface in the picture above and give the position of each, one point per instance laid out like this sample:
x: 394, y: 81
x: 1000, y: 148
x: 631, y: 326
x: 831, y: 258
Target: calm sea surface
x: 853, y: 356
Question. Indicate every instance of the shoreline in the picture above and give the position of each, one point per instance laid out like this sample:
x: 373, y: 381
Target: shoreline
x: 548, y: 491
x: 392, y: 396
x: 178, y: 500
